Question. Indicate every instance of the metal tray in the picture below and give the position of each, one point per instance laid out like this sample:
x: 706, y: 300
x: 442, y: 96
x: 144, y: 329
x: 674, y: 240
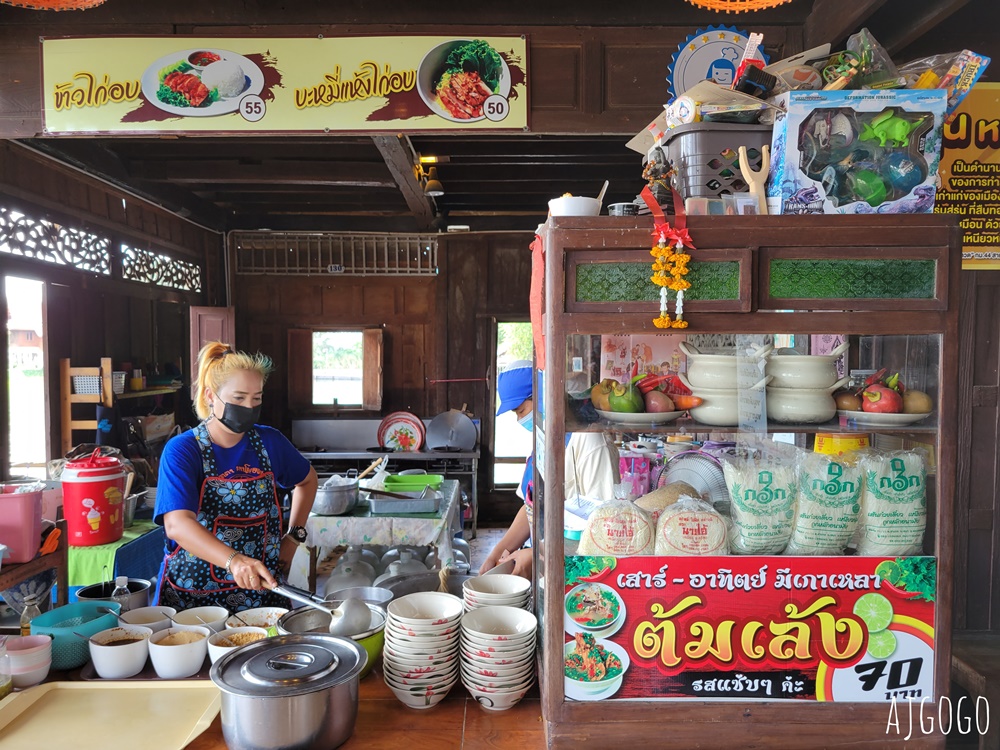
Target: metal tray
x: 108, y: 715
x: 390, y: 506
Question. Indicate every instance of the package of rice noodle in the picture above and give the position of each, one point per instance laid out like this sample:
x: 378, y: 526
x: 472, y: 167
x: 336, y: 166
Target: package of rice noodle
x: 663, y: 497
x: 691, y: 527
x: 893, y: 503
x: 618, y: 527
x: 828, y: 504
x: 763, y: 491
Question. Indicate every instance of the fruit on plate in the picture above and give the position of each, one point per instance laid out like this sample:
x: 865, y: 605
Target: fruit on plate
x: 917, y: 402
x: 685, y: 402
x: 847, y: 401
x: 601, y: 392
x: 881, y: 399
x: 626, y: 398
x: 658, y: 402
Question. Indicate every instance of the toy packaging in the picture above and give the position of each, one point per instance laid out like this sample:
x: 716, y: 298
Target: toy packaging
x: 856, y: 152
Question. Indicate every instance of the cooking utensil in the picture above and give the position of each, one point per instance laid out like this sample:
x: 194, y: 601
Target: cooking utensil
x: 372, y: 466
x: 247, y: 624
x: 296, y: 692
x: 349, y: 618
x: 207, y: 624
x: 452, y: 429
x: 109, y: 611
x: 600, y: 195
x: 338, y: 499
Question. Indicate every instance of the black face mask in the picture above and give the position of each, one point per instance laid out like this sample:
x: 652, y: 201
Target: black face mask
x: 238, y: 418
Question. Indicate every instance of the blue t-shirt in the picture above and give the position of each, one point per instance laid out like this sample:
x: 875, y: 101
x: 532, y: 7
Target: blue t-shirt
x: 181, y: 474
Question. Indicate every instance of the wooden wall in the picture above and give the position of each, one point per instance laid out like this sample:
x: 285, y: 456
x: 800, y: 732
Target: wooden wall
x: 89, y: 316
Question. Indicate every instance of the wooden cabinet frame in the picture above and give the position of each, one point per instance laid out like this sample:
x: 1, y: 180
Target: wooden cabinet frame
x: 570, y: 241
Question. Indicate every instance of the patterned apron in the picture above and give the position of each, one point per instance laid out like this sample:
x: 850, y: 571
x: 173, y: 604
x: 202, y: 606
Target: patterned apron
x: 240, y: 510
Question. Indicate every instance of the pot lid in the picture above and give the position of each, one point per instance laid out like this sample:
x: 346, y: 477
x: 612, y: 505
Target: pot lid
x: 452, y: 429
x: 289, y: 665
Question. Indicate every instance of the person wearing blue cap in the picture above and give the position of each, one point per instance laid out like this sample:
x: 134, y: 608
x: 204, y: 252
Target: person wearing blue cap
x: 591, y: 467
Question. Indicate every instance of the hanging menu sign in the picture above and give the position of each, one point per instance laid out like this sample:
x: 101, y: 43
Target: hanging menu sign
x: 338, y: 84
x: 970, y: 176
x: 751, y: 628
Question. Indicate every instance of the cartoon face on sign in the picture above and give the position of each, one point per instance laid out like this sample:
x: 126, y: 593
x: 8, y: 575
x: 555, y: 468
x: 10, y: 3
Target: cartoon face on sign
x: 723, y: 69
x: 711, y: 53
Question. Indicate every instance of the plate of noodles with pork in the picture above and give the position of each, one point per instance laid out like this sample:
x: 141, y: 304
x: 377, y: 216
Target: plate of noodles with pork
x: 456, y: 77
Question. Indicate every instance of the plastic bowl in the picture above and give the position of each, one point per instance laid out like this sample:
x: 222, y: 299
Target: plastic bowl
x: 30, y: 659
x: 155, y: 618
x: 216, y: 643
x: 69, y: 650
x: 117, y: 662
x: 214, y: 618
x: 574, y: 205
x: 174, y: 662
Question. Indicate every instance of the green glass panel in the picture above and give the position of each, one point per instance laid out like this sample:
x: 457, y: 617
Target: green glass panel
x: 852, y: 279
x: 629, y: 282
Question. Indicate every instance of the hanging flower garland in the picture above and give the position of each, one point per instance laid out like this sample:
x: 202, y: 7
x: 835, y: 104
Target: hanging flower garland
x: 669, y: 270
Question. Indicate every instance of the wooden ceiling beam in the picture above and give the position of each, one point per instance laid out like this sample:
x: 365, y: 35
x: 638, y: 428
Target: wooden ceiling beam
x: 921, y: 16
x: 231, y: 172
x: 834, y: 20
x: 397, y: 151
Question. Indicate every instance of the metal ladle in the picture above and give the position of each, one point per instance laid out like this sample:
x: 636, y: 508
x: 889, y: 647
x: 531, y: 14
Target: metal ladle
x: 350, y: 618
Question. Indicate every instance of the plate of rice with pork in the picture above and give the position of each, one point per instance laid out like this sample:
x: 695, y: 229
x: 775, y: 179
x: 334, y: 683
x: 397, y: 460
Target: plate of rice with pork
x: 201, y: 82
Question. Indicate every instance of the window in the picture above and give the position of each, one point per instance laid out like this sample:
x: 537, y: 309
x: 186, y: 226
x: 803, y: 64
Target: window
x: 511, y: 442
x: 334, y: 370
x: 337, y: 368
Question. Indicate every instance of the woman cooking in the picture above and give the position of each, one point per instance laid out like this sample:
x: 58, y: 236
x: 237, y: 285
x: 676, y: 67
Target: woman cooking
x: 217, y: 492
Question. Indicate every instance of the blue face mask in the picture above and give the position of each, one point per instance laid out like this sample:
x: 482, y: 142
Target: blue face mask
x: 527, y: 421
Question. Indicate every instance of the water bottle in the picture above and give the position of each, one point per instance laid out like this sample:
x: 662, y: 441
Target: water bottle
x: 121, y: 593
x: 30, y: 612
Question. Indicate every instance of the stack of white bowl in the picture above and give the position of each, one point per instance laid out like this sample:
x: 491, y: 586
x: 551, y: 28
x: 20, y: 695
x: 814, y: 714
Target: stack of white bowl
x: 420, y: 660
x: 30, y: 659
x: 498, y: 655
x: 802, y: 386
x: 712, y: 377
x: 497, y: 590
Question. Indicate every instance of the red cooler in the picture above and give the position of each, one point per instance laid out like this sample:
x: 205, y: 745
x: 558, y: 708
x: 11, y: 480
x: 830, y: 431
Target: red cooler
x: 93, y: 490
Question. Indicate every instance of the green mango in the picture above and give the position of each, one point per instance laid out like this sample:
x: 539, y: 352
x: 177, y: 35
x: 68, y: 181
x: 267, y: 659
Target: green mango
x: 626, y: 398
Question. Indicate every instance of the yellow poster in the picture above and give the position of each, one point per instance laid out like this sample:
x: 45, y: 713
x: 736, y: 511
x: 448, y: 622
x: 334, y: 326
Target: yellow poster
x: 970, y: 175
x: 358, y: 83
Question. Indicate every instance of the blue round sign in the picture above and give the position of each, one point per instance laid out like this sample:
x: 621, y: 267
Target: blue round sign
x: 713, y: 53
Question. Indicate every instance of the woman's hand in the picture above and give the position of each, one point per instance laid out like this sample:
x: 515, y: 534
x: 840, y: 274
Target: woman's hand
x: 523, y: 562
x: 493, y: 559
x: 288, y: 548
x: 251, y: 573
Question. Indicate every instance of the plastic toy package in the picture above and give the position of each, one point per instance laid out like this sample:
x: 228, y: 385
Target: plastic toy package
x: 955, y: 72
x: 856, y: 152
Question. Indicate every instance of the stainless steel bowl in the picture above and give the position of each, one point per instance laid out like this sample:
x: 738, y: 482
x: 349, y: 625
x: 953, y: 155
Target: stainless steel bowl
x: 336, y: 501
x: 312, y: 620
x: 369, y: 594
x: 403, y: 585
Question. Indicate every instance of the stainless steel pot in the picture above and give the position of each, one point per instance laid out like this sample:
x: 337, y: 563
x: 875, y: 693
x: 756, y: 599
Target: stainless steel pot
x: 294, y: 692
x: 336, y: 501
x: 138, y: 592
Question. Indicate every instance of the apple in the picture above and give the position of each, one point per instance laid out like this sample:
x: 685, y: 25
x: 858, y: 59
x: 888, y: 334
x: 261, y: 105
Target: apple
x: 881, y: 399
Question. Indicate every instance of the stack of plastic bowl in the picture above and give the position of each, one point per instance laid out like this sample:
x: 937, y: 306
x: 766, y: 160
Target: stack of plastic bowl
x: 498, y: 655
x: 496, y: 590
x: 30, y: 659
x: 420, y: 660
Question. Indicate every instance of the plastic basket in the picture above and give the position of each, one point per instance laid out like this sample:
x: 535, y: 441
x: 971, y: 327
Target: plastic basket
x: 88, y: 384
x: 705, y: 158
x: 69, y: 651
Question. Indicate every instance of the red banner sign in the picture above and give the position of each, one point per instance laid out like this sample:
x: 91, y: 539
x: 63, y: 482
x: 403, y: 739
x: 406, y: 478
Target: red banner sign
x: 813, y: 628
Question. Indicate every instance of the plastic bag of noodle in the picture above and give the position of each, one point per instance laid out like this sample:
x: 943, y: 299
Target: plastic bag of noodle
x: 828, y: 505
x: 618, y: 527
x: 893, y: 503
x: 763, y: 491
x: 691, y: 527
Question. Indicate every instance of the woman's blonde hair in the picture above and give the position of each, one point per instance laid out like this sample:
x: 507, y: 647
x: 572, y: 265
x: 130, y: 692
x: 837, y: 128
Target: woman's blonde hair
x: 216, y: 364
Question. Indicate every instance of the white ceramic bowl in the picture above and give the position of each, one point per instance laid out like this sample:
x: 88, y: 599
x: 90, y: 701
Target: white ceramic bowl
x: 154, y: 618
x: 406, y: 674
x: 409, y: 650
x: 498, y: 644
x: 399, y: 659
x: 425, y: 608
x: 174, y: 662
x: 498, y: 623
x: 214, y: 617
x: 424, y: 634
x: 260, y: 617
x: 437, y: 681
x: 513, y: 673
x: 574, y: 205
x: 497, y: 701
x: 126, y: 659
x: 804, y: 370
x: 470, y: 656
x: 803, y: 405
x: 216, y: 642
x: 487, y: 587
x: 420, y: 700
x: 30, y: 659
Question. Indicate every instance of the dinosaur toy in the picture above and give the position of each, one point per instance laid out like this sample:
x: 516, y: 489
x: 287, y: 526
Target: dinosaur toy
x: 889, y: 130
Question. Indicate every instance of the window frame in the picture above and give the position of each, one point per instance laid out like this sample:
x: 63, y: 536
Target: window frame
x: 300, y: 371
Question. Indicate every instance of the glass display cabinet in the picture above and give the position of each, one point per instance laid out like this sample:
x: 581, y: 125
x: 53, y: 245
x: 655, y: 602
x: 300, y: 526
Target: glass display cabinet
x: 794, y: 587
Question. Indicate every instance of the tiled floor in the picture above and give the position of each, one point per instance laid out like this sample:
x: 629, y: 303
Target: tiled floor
x: 486, y: 539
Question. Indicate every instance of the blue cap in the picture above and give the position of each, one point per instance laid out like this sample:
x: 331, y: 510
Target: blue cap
x: 514, y: 386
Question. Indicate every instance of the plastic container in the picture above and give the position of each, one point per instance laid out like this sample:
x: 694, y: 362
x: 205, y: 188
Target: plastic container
x: 20, y: 523
x: 705, y: 157
x: 93, y: 494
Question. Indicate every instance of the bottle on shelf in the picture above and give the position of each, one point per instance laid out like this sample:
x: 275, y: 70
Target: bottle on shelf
x: 121, y: 593
x: 6, y: 682
x: 29, y: 613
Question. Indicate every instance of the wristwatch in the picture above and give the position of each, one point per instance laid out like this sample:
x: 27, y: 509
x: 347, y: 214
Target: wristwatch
x: 298, y: 533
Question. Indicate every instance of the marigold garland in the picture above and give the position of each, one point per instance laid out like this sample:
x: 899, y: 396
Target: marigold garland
x: 669, y: 270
